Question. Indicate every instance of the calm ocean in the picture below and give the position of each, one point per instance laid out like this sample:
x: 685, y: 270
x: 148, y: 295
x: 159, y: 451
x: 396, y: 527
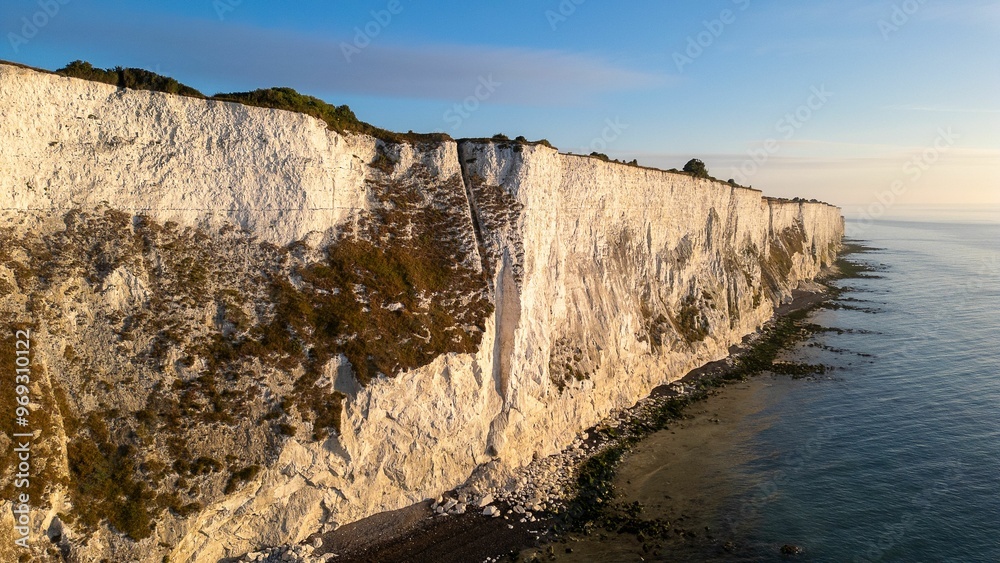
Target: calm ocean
x: 897, y: 456
x: 892, y: 456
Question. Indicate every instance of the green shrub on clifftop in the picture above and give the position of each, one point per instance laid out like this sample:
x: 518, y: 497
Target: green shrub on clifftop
x: 339, y: 118
x: 134, y: 78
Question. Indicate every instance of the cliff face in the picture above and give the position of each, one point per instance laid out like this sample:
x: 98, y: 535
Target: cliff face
x: 450, y: 306
x: 612, y: 279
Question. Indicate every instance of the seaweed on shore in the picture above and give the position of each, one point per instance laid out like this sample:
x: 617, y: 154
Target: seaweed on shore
x: 594, y: 505
x: 847, y: 268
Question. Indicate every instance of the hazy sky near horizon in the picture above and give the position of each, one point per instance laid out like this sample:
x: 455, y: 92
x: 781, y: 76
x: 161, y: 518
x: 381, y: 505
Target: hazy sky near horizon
x: 847, y: 101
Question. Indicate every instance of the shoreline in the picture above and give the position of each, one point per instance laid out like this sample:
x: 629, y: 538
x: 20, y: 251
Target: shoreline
x: 547, y: 501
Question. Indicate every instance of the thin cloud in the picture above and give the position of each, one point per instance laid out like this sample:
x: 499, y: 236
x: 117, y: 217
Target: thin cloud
x: 975, y: 12
x: 812, y: 45
x: 941, y: 109
x: 967, y: 12
x: 250, y: 57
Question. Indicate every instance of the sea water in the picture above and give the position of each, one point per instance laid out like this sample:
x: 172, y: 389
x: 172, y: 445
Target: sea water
x: 893, y: 455
x: 896, y: 457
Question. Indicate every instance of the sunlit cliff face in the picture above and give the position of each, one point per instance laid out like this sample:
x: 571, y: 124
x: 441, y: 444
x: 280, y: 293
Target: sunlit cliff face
x: 247, y: 326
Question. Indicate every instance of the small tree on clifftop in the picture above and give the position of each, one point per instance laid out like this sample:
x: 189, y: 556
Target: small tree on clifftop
x: 696, y: 168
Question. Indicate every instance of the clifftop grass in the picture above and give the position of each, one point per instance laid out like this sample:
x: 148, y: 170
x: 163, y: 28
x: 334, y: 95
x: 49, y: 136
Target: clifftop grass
x: 134, y: 78
x: 338, y: 118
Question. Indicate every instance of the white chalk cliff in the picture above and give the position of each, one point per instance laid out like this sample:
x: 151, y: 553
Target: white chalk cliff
x: 605, y: 281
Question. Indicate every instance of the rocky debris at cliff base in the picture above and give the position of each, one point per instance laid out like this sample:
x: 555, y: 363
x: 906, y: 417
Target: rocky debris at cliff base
x: 543, y: 487
x: 295, y: 554
x: 454, y: 506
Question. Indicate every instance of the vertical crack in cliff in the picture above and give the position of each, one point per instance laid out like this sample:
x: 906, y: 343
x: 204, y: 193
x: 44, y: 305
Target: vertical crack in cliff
x: 508, y: 306
x: 473, y: 209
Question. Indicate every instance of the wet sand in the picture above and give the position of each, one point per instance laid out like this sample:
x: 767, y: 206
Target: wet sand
x: 681, y: 475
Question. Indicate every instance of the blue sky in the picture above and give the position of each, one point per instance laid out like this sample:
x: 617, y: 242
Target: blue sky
x: 851, y: 102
